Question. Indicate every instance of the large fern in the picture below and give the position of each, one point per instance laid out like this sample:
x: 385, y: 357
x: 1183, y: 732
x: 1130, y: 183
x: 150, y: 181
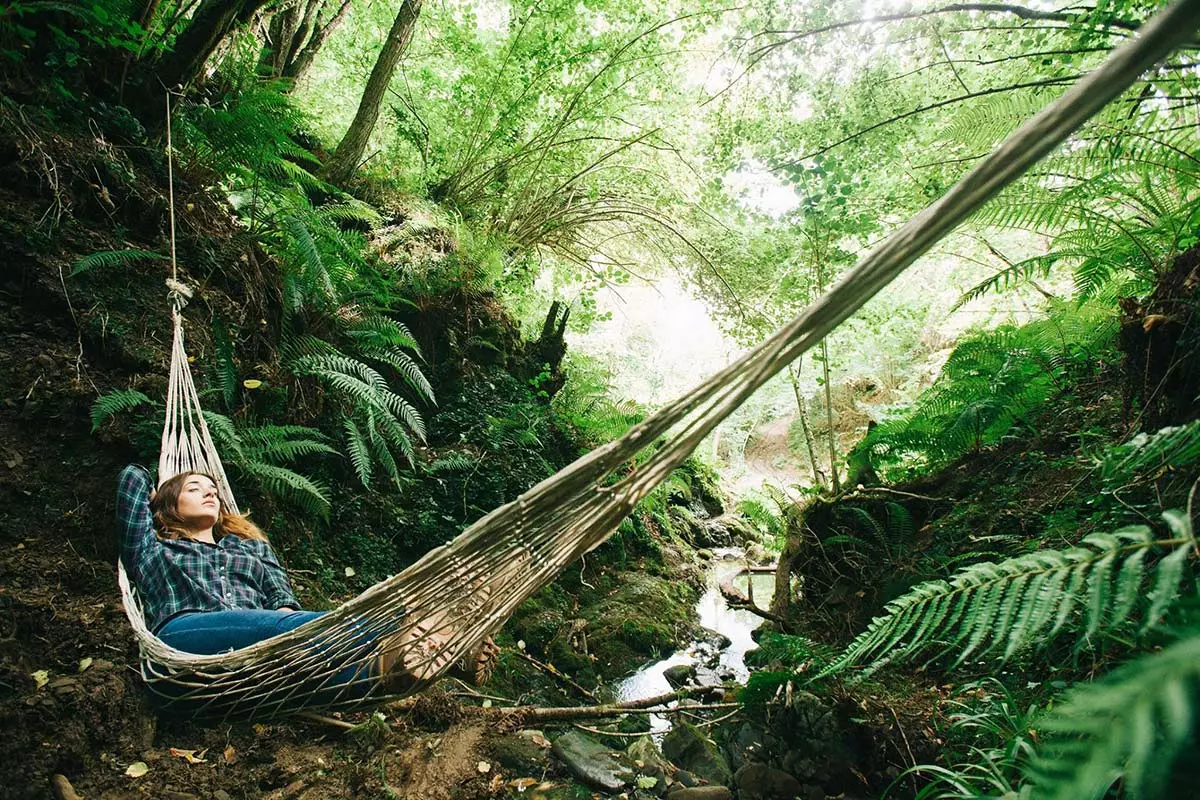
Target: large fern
x: 1133, y: 726
x: 376, y: 420
x: 1002, y: 609
x: 991, y: 380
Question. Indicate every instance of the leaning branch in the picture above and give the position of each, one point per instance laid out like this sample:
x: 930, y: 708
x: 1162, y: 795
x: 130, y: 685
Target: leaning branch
x: 1065, y: 79
x: 994, y: 8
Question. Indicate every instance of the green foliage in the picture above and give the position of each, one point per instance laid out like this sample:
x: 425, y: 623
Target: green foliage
x: 990, y: 739
x: 1136, y: 725
x: 1165, y: 450
x: 376, y: 420
x: 586, y: 408
x: 112, y: 258
x: 260, y: 452
x: 1004, y: 609
x: 116, y: 401
x: 1116, y: 206
x: 991, y: 380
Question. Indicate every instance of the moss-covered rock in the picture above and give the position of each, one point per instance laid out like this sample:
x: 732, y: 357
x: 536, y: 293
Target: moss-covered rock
x: 689, y: 749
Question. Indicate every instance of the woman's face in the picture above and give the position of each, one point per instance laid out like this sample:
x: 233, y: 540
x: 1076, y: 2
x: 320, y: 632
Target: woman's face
x: 198, y: 503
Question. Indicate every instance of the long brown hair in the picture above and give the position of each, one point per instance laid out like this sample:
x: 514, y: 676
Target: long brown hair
x: 165, y: 506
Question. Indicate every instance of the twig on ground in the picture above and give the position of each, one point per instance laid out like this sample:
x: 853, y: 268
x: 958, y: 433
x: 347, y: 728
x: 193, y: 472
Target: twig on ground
x: 553, y: 671
x: 313, y: 716
x: 620, y: 734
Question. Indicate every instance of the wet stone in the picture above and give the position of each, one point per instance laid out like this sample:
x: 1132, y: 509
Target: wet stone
x: 593, y: 763
x: 761, y: 782
x: 689, y: 749
x: 701, y: 793
x: 679, y: 675
x: 714, y: 639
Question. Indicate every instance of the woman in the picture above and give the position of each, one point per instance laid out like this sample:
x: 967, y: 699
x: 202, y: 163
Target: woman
x: 209, y: 582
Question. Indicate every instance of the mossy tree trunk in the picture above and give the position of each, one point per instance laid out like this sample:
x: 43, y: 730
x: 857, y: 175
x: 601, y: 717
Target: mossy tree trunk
x: 296, y: 34
x: 345, y: 160
x: 212, y: 22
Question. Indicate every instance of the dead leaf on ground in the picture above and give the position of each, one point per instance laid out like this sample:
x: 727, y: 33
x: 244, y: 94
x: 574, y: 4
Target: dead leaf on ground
x: 41, y: 677
x: 137, y: 769
x: 190, y: 756
x: 230, y: 755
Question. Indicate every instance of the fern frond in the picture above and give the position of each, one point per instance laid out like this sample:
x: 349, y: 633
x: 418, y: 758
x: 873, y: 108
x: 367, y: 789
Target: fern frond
x: 351, y: 211
x: 1005, y: 608
x: 1133, y: 726
x: 224, y: 433
x: 360, y: 454
x: 226, y: 369
x: 453, y: 462
x: 406, y: 367
x: 304, y: 492
x: 115, y: 402
x: 112, y: 258
x: 283, y: 443
x: 1169, y: 448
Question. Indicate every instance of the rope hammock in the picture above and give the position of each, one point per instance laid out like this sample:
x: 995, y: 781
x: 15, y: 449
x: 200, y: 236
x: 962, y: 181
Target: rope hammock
x: 459, y: 593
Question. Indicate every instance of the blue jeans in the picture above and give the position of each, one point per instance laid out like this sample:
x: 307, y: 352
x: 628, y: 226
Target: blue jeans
x: 211, y: 632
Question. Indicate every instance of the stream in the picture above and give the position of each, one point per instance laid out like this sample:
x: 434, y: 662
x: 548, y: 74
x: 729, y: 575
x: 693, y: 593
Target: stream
x: 714, y: 612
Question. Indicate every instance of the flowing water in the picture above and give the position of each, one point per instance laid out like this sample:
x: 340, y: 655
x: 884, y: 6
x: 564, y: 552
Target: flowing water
x: 715, y: 614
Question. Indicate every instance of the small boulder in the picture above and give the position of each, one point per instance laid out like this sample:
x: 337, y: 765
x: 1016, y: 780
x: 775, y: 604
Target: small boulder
x: 592, y: 762
x: 650, y: 763
x: 679, y: 675
x: 714, y: 639
x: 701, y: 793
x: 690, y: 749
x: 518, y: 753
x: 761, y: 782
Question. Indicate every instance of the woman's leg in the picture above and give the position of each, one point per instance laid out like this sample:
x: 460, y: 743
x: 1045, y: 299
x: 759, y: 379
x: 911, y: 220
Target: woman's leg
x: 209, y: 632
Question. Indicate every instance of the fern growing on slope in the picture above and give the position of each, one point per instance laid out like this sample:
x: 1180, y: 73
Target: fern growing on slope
x: 1120, y: 203
x: 376, y: 421
x: 1133, y: 725
x: 1011, y: 607
x: 990, y: 381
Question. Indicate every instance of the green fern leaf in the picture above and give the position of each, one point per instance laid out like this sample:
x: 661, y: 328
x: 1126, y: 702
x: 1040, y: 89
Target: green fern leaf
x: 306, y: 493
x: 1015, y: 605
x: 112, y: 258
x: 1130, y: 726
x: 360, y: 454
x: 115, y: 402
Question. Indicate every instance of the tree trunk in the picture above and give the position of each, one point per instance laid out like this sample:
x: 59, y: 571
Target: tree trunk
x: 801, y: 409
x: 345, y: 160
x: 297, y: 68
x: 833, y: 470
x: 212, y: 22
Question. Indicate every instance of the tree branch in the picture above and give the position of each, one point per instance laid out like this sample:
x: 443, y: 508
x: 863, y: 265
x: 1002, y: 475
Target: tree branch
x: 932, y: 106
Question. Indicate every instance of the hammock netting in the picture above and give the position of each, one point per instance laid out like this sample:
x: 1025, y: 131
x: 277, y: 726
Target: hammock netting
x: 458, y: 594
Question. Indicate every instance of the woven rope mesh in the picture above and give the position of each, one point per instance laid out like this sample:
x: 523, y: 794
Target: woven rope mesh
x: 458, y: 594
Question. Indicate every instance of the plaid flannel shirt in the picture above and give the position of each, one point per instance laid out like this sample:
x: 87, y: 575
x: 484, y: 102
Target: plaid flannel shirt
x: 177, y: 575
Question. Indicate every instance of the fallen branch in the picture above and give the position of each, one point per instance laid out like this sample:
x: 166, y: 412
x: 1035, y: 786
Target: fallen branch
x: 531, y: 713
x: 737, y: 599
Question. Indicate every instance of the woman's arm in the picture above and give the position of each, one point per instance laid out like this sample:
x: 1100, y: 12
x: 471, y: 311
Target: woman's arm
x: 276, y: 585
x: 135, y: 523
